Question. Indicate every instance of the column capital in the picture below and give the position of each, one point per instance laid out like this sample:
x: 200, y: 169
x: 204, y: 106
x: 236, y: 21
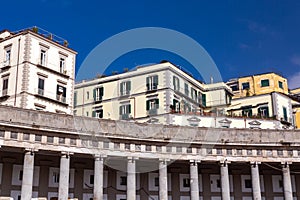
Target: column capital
x: 132, y: 159
x: 286, y: 163
x: 165, y: 161
x: 194, y: 162
x: 66, y: 154
x: 99, y: 157
x: 30, y: 150
x: 224, y: 163
x: 254, y: 163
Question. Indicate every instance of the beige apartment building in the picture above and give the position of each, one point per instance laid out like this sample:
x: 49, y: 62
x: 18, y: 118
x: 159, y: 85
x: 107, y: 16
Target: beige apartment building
x: 37, y: 71
x: 148, y: 91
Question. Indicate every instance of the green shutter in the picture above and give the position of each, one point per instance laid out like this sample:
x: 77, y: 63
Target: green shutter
x: 129, y: 108
x: 174, y: 82
x: 155, y: 80
x: 101, y: 91
x: 94, y: 94
x: 75, y: 99
x: 285, y: 114
x: 157, y: 103
x: 128, y: 86
x: 204, y: 100
x: 148, y: 105
x: 121, y: 88
x: 93, y: 114
x: 147, y: 83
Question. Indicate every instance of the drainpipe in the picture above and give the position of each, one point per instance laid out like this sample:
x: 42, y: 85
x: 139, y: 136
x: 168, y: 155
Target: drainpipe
x: 17, y: 73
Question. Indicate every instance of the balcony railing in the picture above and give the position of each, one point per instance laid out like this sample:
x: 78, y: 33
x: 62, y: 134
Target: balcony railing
x: 125, y: 92
x: 61, y: 98
x: 4, y: 92
x: 125, y: 116
x: 41, y: 92
x: 152, y: 112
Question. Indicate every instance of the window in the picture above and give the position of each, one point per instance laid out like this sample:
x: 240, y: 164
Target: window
x: 87, y: 95
x: 234, y: 87
x: 218, y: 183
x: 7, y: 57
x: 204, y: 100
x: 98, y: 93
x: 263, y: 111
x: 280, y: 183
x: 186, y: 89
x: 55, y: 177
x: 280, y: 84
x: 5, y: 86
x: 152, y: 82
x: 152, y: 106
x: 62, y: 65
x: 156, y: 181
x: 41, y: 86
x: 97, y: 113
x: 21, y: 175
x: 176, y: 106
x: 247, y: 112
x: 92, y: 179
x: 43, y: 57
x: 61, y: 93
x: 245, y: 86
x: 248, y: 183
x: 125, y: 88
x: 123, y: 180
x: 285, y: 114
x: 176, y: 83
x: 87, y: 113
x: 186, y: 182
x: 124, y: 111
x: 75, y: 99
x: 264, y: 83
x: 194, y: 94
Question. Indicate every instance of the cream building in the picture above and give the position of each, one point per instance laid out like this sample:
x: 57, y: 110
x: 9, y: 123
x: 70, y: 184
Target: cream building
x: 148, y: 91
x: 37, y: 71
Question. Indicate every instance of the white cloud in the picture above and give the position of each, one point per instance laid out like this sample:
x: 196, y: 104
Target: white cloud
x: 294, y: 81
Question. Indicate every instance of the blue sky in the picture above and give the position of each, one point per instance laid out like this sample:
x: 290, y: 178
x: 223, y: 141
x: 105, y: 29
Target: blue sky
x: 242, y: 37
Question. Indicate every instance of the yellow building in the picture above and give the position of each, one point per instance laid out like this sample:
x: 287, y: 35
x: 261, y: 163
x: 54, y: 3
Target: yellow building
x: 258, y: 84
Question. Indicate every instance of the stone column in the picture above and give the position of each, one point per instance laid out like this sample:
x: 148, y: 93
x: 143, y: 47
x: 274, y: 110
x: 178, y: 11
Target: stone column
x: 64, y: 172
x: 255, y: 181
x: 225, y: 187
x: 163, y: 180
x: 27, y: 180
x: 131, y: 179
x: 98, y: 178
x: 194, y: 180
x: 287, y: 184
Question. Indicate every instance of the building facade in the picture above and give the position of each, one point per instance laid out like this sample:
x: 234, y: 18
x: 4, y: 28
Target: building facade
x: 37, y: 72
x: 87, y: 158
x: 258, y: 84
x: 148, y: 91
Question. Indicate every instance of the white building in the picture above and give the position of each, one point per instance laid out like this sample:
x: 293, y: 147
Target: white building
x: 36, y: 71
x: 148, y: 91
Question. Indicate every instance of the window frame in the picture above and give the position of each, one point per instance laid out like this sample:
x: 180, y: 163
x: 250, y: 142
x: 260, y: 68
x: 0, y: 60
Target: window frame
x: 245, y: 85
x: 265, y: 83
x: 176, y: 83
x: 152, y: 82
x: 125, y: 88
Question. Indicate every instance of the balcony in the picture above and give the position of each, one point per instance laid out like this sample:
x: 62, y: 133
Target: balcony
x: 41, y: 92
x: 125, y: 93
x: 5, y: 65
x: 152, y: 112
x: 125, y: 116
x: 50, y: 96
x: 60, y: 98
x: 4, y: 92
x: 50, y: 67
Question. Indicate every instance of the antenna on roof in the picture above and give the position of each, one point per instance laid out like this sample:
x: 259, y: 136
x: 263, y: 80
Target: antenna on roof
x: 211, y: 80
